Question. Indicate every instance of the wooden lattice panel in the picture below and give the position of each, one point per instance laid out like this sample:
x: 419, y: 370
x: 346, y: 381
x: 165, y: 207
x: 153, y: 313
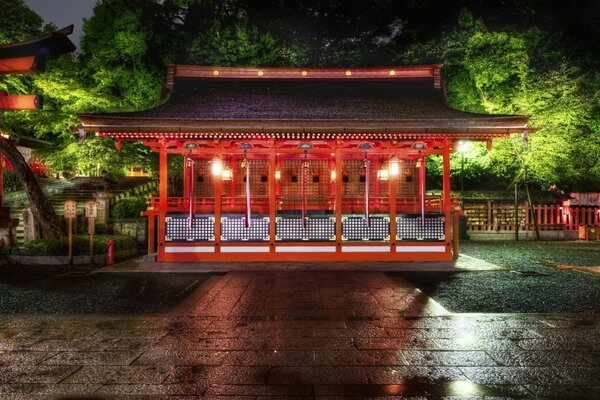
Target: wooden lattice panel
x: 408, y: 180
x: 234, y: 229
x: 259, y: 177
x: 317, y: 183
x: 353, y: 178
x: 355, y: 228
x: 412, y: 227
x: 290, y: 228
x: 177, y: 228
x: 204, y: 181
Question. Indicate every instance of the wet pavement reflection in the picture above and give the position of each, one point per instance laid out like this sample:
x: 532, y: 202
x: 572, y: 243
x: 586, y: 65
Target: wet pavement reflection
x: 256, y: 335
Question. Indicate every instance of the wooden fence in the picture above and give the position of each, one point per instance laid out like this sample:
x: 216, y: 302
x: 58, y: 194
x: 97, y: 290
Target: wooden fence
x: 501, y: 217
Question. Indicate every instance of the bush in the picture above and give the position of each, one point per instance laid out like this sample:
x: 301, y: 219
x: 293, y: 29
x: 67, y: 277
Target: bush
x: 11, y: 182
x: 81, y: 246
x: 128, y: 207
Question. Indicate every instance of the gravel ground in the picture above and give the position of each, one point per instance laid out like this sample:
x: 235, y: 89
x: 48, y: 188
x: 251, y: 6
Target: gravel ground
x: 45, y: 290
x: 561, y: 291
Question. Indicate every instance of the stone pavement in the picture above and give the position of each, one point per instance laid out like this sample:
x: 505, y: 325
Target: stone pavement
x: 147, y: 264
x: 301, y: 335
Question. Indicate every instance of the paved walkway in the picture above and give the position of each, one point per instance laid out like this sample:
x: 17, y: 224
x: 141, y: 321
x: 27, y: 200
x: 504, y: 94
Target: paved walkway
x: 301, y: 335
x: 145, y: 264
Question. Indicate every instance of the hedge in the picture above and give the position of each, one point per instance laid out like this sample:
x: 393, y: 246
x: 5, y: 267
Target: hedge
x: 81, y: 246
x: 128, y: 207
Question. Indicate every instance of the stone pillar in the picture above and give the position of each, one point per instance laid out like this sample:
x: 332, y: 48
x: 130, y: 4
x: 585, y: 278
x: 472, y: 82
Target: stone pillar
x: 103, y: 207
x: 31, y: 230
x: 8, y: 227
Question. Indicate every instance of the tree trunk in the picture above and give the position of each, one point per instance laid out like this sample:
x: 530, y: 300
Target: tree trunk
x: 50, y: 224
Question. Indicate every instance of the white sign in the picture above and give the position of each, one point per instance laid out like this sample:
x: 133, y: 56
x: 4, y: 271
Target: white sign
x: 70, y: 209
x: 91, y: 209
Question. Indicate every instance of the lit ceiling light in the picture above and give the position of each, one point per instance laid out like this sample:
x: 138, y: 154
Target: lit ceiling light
x: 383, y: 174
x: 227, y: 174
x: 394, y: 167
x: 217, y: 167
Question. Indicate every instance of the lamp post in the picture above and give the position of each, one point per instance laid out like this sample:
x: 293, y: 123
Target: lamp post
x: 462, y: 147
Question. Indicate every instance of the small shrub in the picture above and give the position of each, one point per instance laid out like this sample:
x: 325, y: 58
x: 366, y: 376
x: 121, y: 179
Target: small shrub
x: 11, y: 182
x: 128, y: 207
x: 81, y: 246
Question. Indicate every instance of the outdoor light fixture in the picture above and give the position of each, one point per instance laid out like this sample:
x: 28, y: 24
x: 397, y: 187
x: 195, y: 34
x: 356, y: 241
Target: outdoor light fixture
x: 383, y: 174
x: 278, y: 174
x: 394, y: 167
x: 217, y: 167
x: 464, y: 146
x: 332, y: 175
x: 227, y: 174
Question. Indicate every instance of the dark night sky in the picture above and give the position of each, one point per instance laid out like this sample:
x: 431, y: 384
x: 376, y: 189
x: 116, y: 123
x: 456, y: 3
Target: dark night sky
x: 64, y: 12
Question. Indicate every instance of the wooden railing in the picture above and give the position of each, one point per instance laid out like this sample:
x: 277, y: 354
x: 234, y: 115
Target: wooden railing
x: 260, y: 204
x: 501, y: 217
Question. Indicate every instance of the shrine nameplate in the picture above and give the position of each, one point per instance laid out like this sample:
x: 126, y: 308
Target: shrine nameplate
x: 91, y: 209
x: 70, y: 209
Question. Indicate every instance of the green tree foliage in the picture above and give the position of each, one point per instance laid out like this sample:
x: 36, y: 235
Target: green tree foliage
x: 514, y: 57
x: 117, y: 52
x: 509, y: 72
x: 98, y: 156
x: 18, y: 22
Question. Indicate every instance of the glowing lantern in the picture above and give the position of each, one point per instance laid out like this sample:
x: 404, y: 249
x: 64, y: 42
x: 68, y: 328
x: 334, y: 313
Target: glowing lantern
x: 217, y: 167
x: 227, y: 174
x: 383, y: 174
x: 394, y: 167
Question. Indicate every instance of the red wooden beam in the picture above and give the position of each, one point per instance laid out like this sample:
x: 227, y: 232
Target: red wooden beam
x: 18, y: 65
x: 22, y: 102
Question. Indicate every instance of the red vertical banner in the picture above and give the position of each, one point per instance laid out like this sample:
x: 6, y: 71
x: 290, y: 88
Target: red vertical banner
x: 192, y: 190
x: 422, y: 190
x: 366, y: 166
x: 248, y: 195
x: 304, y: 172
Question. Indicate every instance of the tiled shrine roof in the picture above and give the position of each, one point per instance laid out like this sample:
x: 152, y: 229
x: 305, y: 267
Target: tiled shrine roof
x: 404, y: 99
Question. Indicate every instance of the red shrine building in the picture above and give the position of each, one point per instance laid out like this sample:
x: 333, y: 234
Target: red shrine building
x: 302, y: 164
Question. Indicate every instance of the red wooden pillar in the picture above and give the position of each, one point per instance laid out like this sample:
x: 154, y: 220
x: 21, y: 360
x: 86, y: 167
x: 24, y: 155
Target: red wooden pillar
x: 272, y: 196
x: 218, y: 193
x: 422, y: 187
x: 392, y: 189
x: 338, y: 197
x: 186, y: 178
x: 447, y: 206
x: 162, y: 200
x: 151, y: 232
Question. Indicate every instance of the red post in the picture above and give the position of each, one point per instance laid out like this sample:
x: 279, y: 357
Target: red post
x: 272, y: 196
x: 163, y: 200
x: 392, y: 192
x: 338, y: 197
x: 110, y: 252
x: 151, y: 233
x: 445, y: 192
